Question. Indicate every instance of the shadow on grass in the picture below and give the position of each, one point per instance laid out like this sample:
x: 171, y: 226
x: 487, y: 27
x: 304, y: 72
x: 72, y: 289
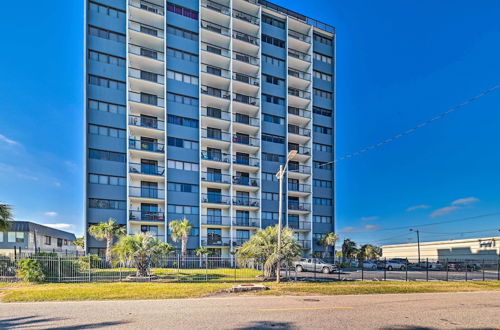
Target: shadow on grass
x: 35, y: 321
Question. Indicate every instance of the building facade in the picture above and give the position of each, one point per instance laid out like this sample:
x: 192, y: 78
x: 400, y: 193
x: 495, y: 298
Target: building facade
x: 191, y: 106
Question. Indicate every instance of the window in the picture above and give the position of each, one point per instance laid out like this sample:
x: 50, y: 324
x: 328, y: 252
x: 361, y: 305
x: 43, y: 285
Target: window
x: 181, y: 143
x: 273, y: 157
x: 182, y: 77
x: 177, y: 98
x: 65, y: 242
x: 182, y: 33
x: 322, y: 93
x: 183, y: 209
x: 48, y: 240
x: 273, y: 99
x: 322, y: 75
x: 106, y: 10
x: 184, y: 166
x: 269, y: 177
x: 322, y: 111
x: 107, y: 107
x: 273, y: 60
x: 270, y: 196
x: 322, y: 129
x: 322, y: 147
x: 273, y: 21
x: 106, y: 58
x: 59, y: 242
x: 322, y: 165
x: 107, y: 180
x: 273, y: 41
x: 323, y: 58
x: 106, y: 34
x: 182, y: 55
x: 182, y: 187
x: 322, y: 219
x: 273, y: 138
x: 322, y: 183
x: 182, y: 121
x: 107, y: 83
x: 273, y: 80
x: 107, y: 131
x: 182, y: 11
x: 323, y: 39
x: 273, y: 119
x: 15, y: 237
x: 107, y: 155
x: 322, y: 201
x: 107, y: 204
x: 270, y: 215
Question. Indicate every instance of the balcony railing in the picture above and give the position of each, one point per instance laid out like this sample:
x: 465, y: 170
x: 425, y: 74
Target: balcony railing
x: 215, y: 241
x: 146, y: 169
x: 297, y: 206
x: 147, y: 6
x: 214, y: 49
x: 215, y: 220
x: 216, y: 7
x: 300, y: 149
x: 219, y: 29
x: 300, y: 55
x: 299, y: 112
x: 299, y: 130
x: 246, y: 79
x: 145, y: 75
x: 303, y: 169
x: 147, y: 192
x: 245, y: 181
x: 215, y: 177
x: 215, y: 198
x: 246, y: 201
x: 146, y: 216
x: 244, y: 119
x: 146, y: 145
x: 300, y: 187
x: 246, y: 140
x: 243, y: 160
x: 306, y: 244
x: 299, y: 74
x: 147, y: 122
x: 245, y: 58
x: 245, y: 37
x: 215, y: 92
x: 215, y: 135
x: 146, y: 29
x: 239, y: 241
x: 148, y: 99
x: 246, y: 222
x: 300, y: 36
x: 300, y: 225
x: 215, y: 156
x: 146, y: 52
x: 245, y: 99
x: 245, y: 17
x: 215, y: 113
x: 299, y: 93
x: 215, y: 70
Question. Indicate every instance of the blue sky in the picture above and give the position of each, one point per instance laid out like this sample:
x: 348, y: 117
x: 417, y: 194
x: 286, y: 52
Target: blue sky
x: 398, y: 63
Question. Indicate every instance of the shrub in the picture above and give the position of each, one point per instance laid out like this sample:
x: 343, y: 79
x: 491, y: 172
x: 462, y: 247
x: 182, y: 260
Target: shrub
x: 83, y: 262
x: 30, y: 270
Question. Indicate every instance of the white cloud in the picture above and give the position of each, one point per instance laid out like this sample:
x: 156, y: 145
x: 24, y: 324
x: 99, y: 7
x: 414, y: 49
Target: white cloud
x: 417, y: 207
x: 371, y: 227
x: 464, y: 201
x: 369, y: 218
x: 8, y: 141
x: 51, y: 214
x: 444, y: 211
x: 348, y: 229
x: 59, y: 225
x: 455, y: 205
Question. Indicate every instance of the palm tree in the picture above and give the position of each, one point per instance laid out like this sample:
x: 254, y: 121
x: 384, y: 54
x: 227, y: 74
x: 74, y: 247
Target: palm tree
x: 370, y: 252
x: 107, y: 231
x: 180, y: 230
x: 80, y: 242
x: 6, y: 217
x: 203, y: 251
x: 348, y: 249
x: 263, y: 247
x: 143, y: 249
x: 328, y: 240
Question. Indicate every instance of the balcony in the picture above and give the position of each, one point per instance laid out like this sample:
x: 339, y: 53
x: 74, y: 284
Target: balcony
x: 299, y: 93
x: 245, y: 181
x: 146, y: 29
x: 147, y: 192
x: 246, y: 17
x: 299, y: 112
x: 146, y: 169
x: 245, y: 58
x: 246, y: 120
x: 147, y: 99
x: 215, y: 198
x: 215, y: 220
x: 216, y: 113
x: 239, y: 241
x: 299, y: 55
x: 215, y: 241
x: 146, y: 76
x: 298, y: 170
x: 254, y: 81
x: 147, y: 6
x: 246, y: 222
x: 246, y: 140
x: 215, y: 92
x: 215, y: 70
x: 246, y: 201
x: 299, y: 36
x: 215, y: 156
x: 306, y: 244
x: 247, y: 161
x: 214, y: 49
x: 215, y: 6
x: 146, y: 52
x: 301, y: 150
x: 215, y: 28
x: 297, y: 206
x: 216, y: 177
x: 146, y: 146
x: 245, y: 38
x: 299, y: 74
x: 215, y: 135
x: 299, y: 225
x: 146, y: 122
x: 299, y: 187
x: 245, y: 99
x: 299, y: 130
x: 146, y: 216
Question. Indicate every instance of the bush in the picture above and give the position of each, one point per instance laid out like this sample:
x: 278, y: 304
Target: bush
x: 83, y: 262
x: 30, y: 270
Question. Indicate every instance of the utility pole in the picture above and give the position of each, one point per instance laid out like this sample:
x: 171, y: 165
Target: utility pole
x: 418, y: 243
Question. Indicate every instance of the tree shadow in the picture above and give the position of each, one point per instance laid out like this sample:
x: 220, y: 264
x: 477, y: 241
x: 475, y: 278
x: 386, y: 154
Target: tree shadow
x: 36, y: 321
x: 267, y: 325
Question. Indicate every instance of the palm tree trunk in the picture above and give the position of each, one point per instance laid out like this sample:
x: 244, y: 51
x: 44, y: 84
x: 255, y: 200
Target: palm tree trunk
x: 184, y: 245
x: 109, y: 245
x: 141, y: 263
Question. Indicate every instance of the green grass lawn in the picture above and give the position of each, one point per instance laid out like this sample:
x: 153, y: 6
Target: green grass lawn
x: 19, y: 292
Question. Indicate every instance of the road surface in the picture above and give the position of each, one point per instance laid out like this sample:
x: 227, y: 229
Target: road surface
x: 478, y: 310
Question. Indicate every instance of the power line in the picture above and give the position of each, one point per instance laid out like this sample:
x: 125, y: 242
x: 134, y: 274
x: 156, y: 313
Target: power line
x: 411, y: 130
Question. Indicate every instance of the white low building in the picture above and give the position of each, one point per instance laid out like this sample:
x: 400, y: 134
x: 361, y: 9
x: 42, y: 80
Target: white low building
x: 487, y: 248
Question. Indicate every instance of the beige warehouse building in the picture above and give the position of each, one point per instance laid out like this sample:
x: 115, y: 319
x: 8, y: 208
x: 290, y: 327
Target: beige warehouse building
x: 487, y: 248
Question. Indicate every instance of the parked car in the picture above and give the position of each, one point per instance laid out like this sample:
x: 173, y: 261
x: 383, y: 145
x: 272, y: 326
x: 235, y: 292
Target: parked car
x: 393, y: 265
x: 370, y: 265
x: 313, y: 264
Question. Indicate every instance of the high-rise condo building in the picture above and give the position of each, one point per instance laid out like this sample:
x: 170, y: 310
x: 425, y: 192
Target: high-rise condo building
x: 191, y: 107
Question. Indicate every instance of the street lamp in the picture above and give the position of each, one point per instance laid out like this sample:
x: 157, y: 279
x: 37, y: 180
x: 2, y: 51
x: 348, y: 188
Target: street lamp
x: 418, y: 243
x: 280, y: 175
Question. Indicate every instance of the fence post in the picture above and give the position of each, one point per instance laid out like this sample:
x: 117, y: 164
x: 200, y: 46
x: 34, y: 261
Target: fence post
x: 406, y: 270
x: 427, y: 269
x: 59, y: 269
x: 498, y: 270
x: 362, y: 271
x: 120, y: 271
x: 482, y: 266
x: 90, y: 266
x: 385, y: 269
x: 315, y: 269
x: 234, y: 266
x: 447, y: 269
x: 206, y: 268
x: 178, y: 268
x: 465, y: 264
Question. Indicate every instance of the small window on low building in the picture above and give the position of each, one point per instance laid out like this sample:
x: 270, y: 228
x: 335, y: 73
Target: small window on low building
x: 48, y: 240
x: 19, y: 237
x: 59, y: 242
x: 65, y: 242
x: 11, y: 237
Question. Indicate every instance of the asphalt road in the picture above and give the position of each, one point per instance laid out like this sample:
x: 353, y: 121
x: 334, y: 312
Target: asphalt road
x: 478, y: 310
